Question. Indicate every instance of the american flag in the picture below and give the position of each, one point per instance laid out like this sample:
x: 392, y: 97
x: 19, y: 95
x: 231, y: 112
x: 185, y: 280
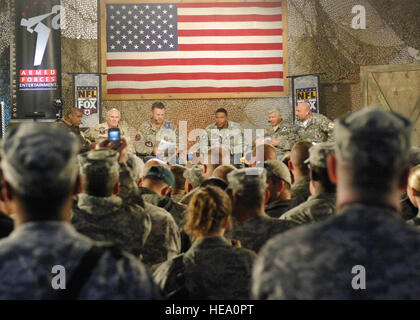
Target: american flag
x: 195, y: 48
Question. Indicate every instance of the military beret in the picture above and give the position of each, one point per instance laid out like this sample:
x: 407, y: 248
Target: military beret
x: 318, y: 154
x: 247, y: 179
x: 161, y: 173
x: 372, y: 137
x: 99, y: 161
x: 39, y: 159
x: 195, y: 175
x: 278, y: 169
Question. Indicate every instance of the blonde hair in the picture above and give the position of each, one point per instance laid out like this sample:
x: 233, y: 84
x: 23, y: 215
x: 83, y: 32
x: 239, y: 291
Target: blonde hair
x: 414, y: 178
x: 206, y: 211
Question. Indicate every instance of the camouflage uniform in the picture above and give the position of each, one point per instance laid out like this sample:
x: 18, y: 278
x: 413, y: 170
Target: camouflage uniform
x: 225, y: 137
x: 177, y: 210
x: 40, y: 161
x: 164, y: 240
x: 317, y: 208
x: 214, y: 270
x: 286, y: 133
x: 300, y: 191
x: 32, y: 249
x: 254, y: 232
x: 110, y: 219
x: 99, y: 133
x: 177, y: 197
x: 277, y: 208
x: 146, y: 138
x: 317, y: 261
x: 318, y: 129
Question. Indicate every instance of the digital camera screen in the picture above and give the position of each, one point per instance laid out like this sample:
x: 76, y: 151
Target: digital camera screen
x: 114, y: 135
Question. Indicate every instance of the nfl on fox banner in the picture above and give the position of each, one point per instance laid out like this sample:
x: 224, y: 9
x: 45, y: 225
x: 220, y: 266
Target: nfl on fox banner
x: 87, y: 93
x: 37, y: 72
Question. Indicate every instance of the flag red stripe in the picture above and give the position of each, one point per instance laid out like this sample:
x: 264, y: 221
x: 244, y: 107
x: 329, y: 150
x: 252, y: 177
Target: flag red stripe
x: 196, y: 90
x: 229, y: 18
x: 195, y: 76
x: 230, y: 5
x: 230, y: 33
x: 191, y: 62
x: 229, y: 47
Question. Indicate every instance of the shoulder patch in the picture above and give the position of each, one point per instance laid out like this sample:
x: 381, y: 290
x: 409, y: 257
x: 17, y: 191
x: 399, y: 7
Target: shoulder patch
x: 102, y: 130
x: 138, y: 137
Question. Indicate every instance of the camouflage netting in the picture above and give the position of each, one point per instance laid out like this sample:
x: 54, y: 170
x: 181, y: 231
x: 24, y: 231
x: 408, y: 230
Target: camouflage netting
x: 320, y: 40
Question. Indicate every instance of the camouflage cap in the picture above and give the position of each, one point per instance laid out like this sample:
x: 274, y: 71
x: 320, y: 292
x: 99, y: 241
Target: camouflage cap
x: 195, y: 175
x: 278, y: 169
x: 39, y: 159
x: 247, y: 179
x: 161, y: 173
x: 319, y: 153
x: 99, y: 162
x: 136, y: 166
x: 372, y: 137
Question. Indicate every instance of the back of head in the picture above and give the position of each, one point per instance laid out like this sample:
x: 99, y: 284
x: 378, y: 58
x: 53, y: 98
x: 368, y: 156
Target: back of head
x: 375, y: 144
x: 277, y: 170
x: 216, y: 156
x: 207, y: 210
x: 194, y: 175
x: 136, y: 166
x: 100, y: 172
x: 249, y: 186
x: 317, y: 161
x: 298, y: 155
x: 39, y: 162
x: 178, y: 172
x: 216, y: 182
x: 264, y: 152
x: 153, y: 162
x: 222, y: 171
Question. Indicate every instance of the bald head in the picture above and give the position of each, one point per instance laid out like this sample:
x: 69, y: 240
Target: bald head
x: 221, y: 172
x: 263, y: 153
x: 303, y: 111
x: 299, y: 153
x: 216, y: 156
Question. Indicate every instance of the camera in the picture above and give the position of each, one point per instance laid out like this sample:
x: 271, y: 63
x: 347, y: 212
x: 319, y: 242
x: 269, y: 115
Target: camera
x: 114, y: 136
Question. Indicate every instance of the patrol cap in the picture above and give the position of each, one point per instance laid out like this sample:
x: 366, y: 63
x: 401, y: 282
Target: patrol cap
x: 278, y: 169
x: 161, y: 173
x: 195, y: 175
x: 318, y: 154
x: 39, y: 159
x: 136, y: 166
x: 372, y: 137
x: 99, y: 162
x: 249, y: 179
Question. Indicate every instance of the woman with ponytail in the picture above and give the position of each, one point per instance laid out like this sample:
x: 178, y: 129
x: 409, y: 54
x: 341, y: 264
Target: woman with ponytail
x: 212, y: 268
